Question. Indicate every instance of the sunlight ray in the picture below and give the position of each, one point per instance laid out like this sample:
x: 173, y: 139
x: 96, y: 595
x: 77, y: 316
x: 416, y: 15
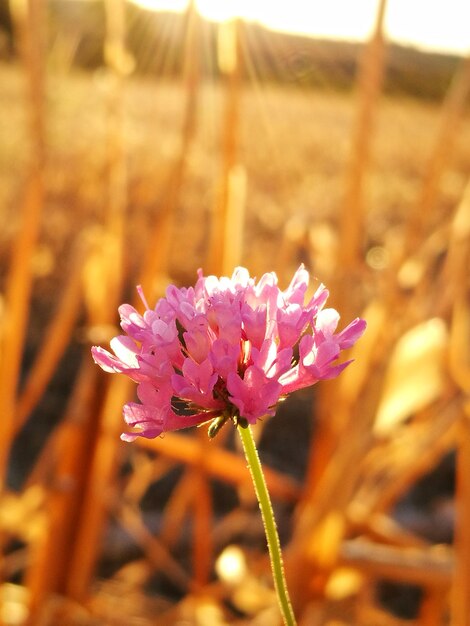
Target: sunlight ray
x: 442, y: 28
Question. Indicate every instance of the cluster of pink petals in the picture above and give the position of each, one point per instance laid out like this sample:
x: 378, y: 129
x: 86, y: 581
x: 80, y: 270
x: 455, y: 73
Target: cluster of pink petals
x: 229, y: 347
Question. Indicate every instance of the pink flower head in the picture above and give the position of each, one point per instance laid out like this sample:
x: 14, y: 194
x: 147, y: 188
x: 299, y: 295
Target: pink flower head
x: 229, y: 348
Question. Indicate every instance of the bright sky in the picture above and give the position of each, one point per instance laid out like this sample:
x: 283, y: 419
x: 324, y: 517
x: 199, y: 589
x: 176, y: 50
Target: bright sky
x: 429, y: 24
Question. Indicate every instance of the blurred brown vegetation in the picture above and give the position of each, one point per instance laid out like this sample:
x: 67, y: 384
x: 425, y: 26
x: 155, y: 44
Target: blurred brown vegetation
x: 115, y: 172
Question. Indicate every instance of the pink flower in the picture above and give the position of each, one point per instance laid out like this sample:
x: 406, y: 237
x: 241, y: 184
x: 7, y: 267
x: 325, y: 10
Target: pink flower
x: 229, y: 348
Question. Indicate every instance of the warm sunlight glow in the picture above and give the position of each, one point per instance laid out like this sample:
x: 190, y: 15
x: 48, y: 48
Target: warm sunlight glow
x: 438, y: 25
x: 231, y: 565
x: 162, y: 5
x: 431, y: 25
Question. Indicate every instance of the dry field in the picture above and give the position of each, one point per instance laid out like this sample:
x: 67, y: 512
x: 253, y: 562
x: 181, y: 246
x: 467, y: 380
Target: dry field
x: 107, y: 181
x: 294, y: 144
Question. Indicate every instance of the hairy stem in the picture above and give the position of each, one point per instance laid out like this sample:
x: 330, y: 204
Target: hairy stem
x: 272, y: 537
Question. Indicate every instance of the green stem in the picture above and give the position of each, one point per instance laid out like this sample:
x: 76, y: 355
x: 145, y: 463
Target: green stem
x: 274, y: 546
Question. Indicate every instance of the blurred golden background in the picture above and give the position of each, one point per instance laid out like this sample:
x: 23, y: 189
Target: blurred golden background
x: 137, y: 146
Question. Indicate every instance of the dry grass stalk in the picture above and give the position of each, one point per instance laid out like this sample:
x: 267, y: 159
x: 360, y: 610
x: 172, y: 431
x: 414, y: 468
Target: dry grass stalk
x: 54, y: 343
x: 184, y: 501
x: 334, y: 476
x: 29, y: 21
x: 145, y: 470
x: 203, y: 550
x: 61, y: 471
x: 227, y: 218
x: 177, y: 509
x: 337, y: 482
x: 334, y: 416
x: 155, y: 550
x: 369, y: 85
x: 383, y: 529
x: 370, y: 615
x: 351, y: 232
x: 221, y: 464
x: 459, y: 358
x: 100, y: 485
x: 235, y: 215
x: 323, y: 509
x: 452, y: 112
x: 102, y: 458
x: 428, y: 566
x: 71, y: 445
x: 338, y: 485
x: 158, y: 253
x: 16, y: 311
x: 156, y: 264
x: 119, y: 64
x: 433, y: 608
x: 455, y: 270
x: 395, y: 467
x: 192, y: 497
x: 29, y: 26
x: 461, y: 583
